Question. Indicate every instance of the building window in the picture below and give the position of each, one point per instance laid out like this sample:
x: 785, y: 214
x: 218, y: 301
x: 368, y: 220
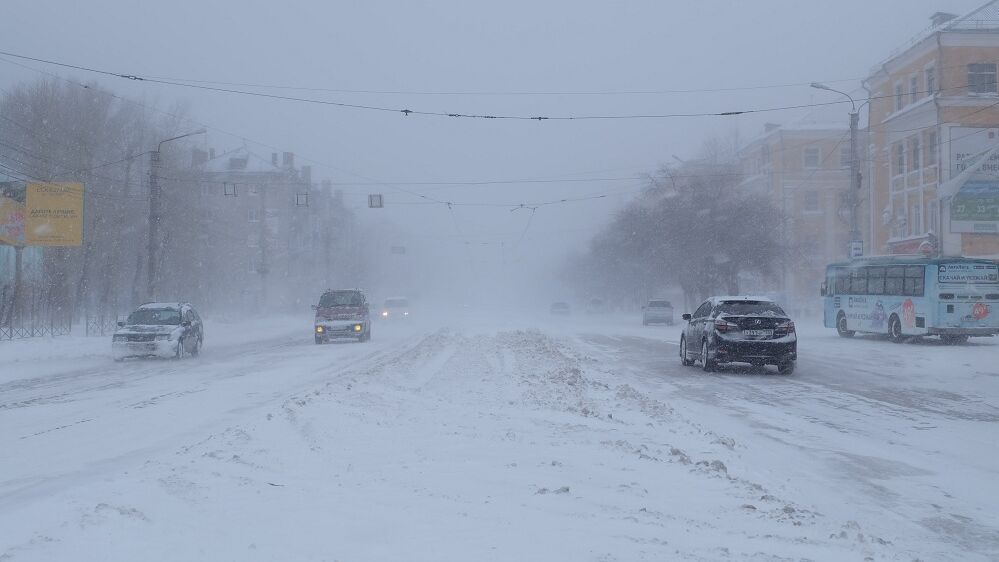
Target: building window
x: 899, y: 97
x: 812, y: 201
x: 253, y: 215
x: 812, y: 157
x: 982, y: 78
x: 931, y: 148
x: 913, y: 89
x: 931, y: 81
x: 916, y: 154
x: 917, y: 220
x: 845, y: 158
x: 899, y: 152
x: 933, y: 215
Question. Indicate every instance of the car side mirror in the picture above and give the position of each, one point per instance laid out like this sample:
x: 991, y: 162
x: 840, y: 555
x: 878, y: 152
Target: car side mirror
x: 186, y: 323
x: 686, y: 316
x: 121, y: 324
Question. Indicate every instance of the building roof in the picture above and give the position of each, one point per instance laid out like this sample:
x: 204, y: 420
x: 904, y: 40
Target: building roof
x: 241, y: 161
x: 984, y: 18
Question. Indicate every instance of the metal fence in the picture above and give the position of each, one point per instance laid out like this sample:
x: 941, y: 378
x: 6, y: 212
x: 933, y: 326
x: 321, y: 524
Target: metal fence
x: 102, y: 325
x: 34, y: 329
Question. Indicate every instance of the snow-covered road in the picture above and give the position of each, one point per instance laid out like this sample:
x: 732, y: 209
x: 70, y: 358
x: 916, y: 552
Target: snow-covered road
x: 475, y: 439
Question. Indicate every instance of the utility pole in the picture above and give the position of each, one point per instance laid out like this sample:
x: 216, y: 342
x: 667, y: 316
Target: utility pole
x: 154, y: 222
x: 856, y: 244
x: 855, y: 247
x: 155, y: 213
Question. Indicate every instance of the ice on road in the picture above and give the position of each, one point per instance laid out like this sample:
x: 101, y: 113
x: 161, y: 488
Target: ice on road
x: 555, y: 439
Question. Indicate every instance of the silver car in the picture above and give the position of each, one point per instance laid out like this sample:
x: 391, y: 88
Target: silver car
x: 657, y: 311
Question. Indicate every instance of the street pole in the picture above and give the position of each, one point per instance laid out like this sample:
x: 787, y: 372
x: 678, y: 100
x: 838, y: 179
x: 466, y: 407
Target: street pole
x: 855, y: 247
x: 154, y: 222
x: 154, y: 212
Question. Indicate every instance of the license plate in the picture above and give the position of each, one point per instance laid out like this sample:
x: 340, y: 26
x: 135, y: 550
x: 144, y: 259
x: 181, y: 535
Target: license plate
x: 759, y: 333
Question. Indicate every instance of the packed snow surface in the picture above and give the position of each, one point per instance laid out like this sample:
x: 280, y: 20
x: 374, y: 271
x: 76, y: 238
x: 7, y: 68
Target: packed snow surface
x: 572, y: 438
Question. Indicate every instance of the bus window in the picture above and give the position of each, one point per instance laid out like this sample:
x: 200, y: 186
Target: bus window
x: 858, y: 282
x: 895, y: 280
x: 914, y: 280
x: 842, y: 286
x: 876, y: 280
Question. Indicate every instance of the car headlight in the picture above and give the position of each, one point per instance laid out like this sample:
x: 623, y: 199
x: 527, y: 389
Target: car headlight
x: 319, y: 329
x: 162, y: 337
x: 358, y: 327
x: 384, y: 313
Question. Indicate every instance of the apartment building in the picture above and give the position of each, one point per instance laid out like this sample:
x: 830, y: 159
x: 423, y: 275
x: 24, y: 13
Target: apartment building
x: 934, y: 107
x: 804, y: 170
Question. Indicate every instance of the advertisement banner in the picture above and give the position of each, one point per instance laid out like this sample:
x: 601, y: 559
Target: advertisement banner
x: 975, y: 207
x: 54, y: 214
x: 12, y: 213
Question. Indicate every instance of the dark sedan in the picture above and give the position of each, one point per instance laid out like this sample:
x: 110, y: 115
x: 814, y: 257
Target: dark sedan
x: 750, y: 330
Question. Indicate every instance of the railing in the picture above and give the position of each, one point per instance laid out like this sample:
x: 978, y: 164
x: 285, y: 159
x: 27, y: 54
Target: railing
x: 102, y: 325
x: 35, y: 330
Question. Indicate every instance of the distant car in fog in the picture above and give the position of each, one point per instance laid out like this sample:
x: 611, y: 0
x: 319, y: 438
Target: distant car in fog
x: 342, y: 314
x: 596, y: 306
x: 560, y: 308
x: 657, y: 311
x: 158, y: 329
x: 739, y: 329
x: 394, y: 308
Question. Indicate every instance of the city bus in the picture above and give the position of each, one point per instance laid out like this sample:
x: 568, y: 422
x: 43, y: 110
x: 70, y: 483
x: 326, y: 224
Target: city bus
x: 913, y: 295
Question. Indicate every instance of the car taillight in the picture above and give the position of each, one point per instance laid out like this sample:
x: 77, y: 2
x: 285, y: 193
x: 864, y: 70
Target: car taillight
x: 723, y: 325
x: 785, y: 328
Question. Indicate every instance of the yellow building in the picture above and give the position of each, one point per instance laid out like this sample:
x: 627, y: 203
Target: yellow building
x: 804, y: 170
x: 935, y: 105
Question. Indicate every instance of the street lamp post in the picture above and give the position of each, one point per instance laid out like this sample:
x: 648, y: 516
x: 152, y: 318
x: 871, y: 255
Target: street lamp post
x: 154, y: 210
x: 856, y: 244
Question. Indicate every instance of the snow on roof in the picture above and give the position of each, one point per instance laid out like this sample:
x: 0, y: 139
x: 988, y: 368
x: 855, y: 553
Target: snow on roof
x: 157, y: 305
x: 984, y: 18
x: 242, y: 160
x: 741, y: 298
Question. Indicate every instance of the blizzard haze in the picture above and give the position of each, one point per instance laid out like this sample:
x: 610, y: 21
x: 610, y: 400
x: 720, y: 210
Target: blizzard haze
x: 627, y: 297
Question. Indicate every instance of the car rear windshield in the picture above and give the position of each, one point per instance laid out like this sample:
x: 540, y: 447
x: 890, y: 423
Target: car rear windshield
x: 154, y: 317
x: 660, y: 304
x: 341, y: 298
x: 749, y: 308
x: 396, y: 303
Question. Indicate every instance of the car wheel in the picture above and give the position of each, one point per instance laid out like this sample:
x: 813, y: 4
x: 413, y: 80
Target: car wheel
x: 841, y: 327
x: 786, y: 368
x: 895, y: 330
x: 684, y: 358
x: 706, y: 364
x: 197, y: 348
x: 180, y: 349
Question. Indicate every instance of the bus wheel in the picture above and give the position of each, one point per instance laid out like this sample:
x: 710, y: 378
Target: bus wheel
x: 841, y: 327
x: 895, y: 330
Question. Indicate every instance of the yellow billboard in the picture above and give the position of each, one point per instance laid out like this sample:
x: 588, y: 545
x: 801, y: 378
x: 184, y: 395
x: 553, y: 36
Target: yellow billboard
x: 54, y: 214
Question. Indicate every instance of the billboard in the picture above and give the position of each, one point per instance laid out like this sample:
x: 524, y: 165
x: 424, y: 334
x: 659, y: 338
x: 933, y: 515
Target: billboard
x: 54, y: 214
x: 975, y: 207
x: 12, y: 213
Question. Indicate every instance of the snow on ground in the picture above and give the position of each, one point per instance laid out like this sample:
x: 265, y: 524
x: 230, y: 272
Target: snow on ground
x: 488, y: 438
